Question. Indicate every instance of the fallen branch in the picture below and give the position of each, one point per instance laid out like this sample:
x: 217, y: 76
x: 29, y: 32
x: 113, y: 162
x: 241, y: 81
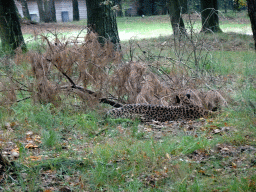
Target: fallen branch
x: 102, y: 100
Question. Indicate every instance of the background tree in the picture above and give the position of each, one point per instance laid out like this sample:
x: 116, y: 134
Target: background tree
x: 25, y: 9
x: 175, y: 16
x: 75, y: 10
x: 161, y: 7
x: 148, y: 6
x: 120, y: 7
x: 209, y: 14
x: 252, y: 14
x: 10, y: 30
x: 49, y: 11
x: 41, y: 10
x: 184, y: 6
x: 46, y: 10
x: 102, y: 20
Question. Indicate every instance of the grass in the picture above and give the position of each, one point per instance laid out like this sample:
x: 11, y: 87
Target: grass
x: 82, y: 151
x: 154, y: 26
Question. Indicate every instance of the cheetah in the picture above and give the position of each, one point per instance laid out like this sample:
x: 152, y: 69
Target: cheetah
x: 145, y: 112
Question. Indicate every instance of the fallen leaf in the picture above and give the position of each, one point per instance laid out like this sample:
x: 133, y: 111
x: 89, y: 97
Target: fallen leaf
x: 31, y: 146
x: 15, y: 150
x: 215, y: 131
x: 47, y: 190
x: 168, y: 156
x: 201, y: 171
x: 34, y: 158
x: 13, y: 124
x: 225, y: 149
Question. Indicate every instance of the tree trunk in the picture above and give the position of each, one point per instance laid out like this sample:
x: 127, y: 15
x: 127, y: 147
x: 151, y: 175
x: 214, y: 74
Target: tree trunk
x: 25, y: 9
x: 102, y: 20
x: 252, y: 14
x: 175, y: 16
x: 209, y: 14
x: 120, y: 9
x: 53, y: 11
x: 75, y: 10
x: 184, y: 6
x: 225, y: 5
x: 41, y: 10
x: 49, y: 11
x: 148, y: 7
x: 10, y: 30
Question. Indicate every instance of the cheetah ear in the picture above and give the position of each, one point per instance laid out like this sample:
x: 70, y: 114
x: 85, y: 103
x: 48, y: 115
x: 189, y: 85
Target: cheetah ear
x: 188, y: 95
x: 177, y: 99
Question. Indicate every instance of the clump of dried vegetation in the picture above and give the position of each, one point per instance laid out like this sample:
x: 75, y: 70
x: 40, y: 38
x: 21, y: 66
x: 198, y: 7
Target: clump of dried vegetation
x: 91, y: 73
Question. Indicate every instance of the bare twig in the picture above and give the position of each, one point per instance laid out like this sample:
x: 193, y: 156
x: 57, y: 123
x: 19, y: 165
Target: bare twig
x: 23, y: 99
x: 102, y: 100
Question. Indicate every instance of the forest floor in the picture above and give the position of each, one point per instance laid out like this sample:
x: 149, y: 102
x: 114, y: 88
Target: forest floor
x: 72, y: 148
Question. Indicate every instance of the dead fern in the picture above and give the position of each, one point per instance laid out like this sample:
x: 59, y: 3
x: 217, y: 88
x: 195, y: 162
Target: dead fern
x: 92, y: 73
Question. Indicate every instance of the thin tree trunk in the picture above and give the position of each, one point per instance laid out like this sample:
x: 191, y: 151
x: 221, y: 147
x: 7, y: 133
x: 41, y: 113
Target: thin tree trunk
x: 175, y: 16
x: 252, y: 14
x: 25, y: 9
x: 209, y: 14
x: 225, y: 5
x: 102, y: 20
x: 41, y: 10
x: 10, y: 30
x: 75, y: 10
x: 53, y: 11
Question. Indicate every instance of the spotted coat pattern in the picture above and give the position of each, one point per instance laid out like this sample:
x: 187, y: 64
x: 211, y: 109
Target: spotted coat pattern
x: 185, y: 111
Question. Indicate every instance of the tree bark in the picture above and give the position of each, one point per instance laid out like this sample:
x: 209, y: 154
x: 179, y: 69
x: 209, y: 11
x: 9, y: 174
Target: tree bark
x: 148, y: 7
x: 102, y: 20
x: 209, y: 14
x: 252, y: 14
x: 10, y: 30
x: 175, y: 16
x: 120, y: 9
x: 25, y: 9
x: 41, y: 10
x: 49, y: 11
x: 184, y: 6
x: 53, y: 11
x: 75, y: 10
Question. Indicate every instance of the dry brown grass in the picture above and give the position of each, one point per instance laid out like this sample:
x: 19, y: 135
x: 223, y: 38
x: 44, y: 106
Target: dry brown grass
x: 96, y: 73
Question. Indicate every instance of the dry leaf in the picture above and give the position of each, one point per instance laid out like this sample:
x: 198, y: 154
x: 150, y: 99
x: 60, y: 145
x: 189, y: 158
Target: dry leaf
x: 34, y: 158
x: 31, y: 146
x: 15, y: 150
x: 47, y: 190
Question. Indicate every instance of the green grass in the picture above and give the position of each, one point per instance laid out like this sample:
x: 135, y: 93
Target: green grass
x: 155, y: 26
x: 83, y: 151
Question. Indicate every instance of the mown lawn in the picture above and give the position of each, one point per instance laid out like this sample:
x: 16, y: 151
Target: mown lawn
x: 67, y: 148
